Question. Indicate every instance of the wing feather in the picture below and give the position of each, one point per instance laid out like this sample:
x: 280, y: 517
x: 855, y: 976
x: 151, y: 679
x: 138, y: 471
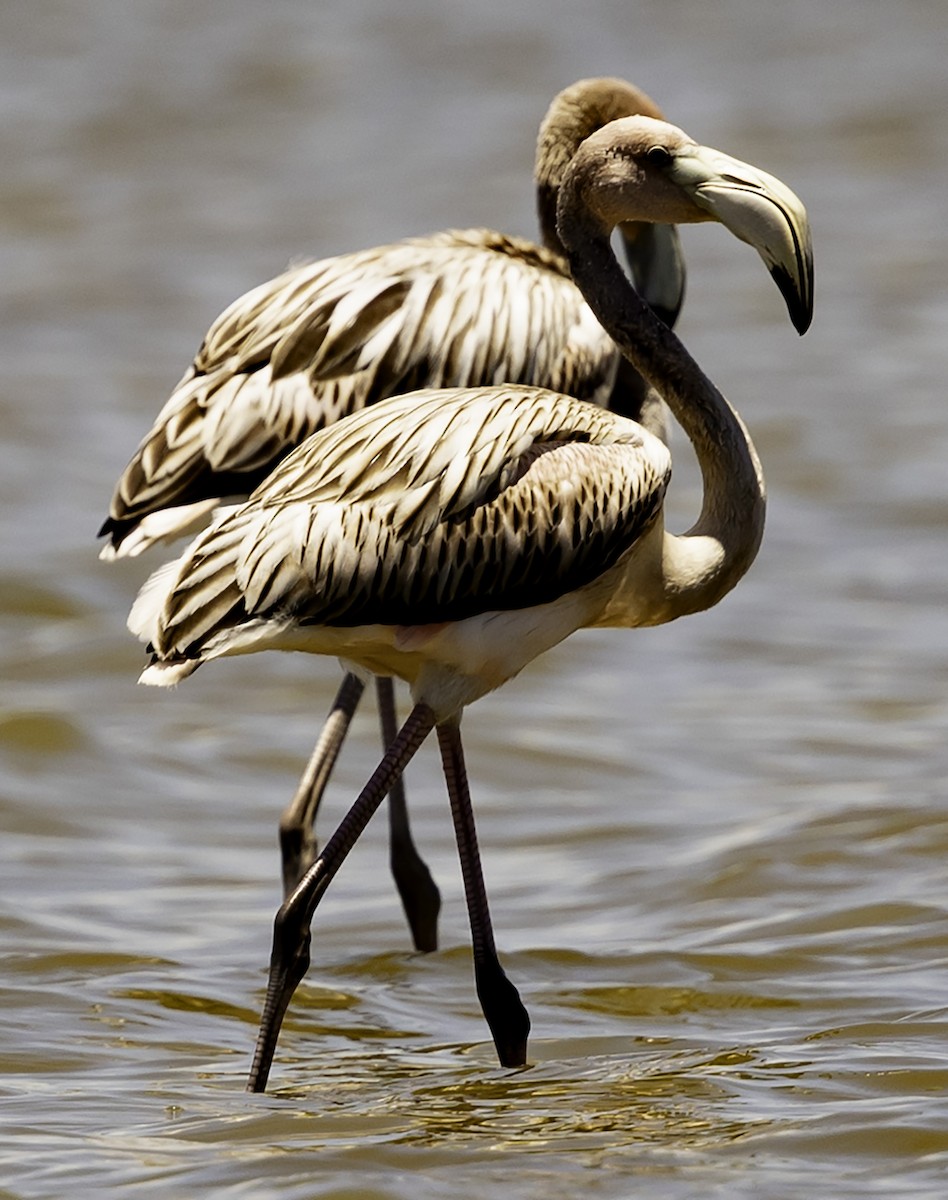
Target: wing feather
x: 452, y: 504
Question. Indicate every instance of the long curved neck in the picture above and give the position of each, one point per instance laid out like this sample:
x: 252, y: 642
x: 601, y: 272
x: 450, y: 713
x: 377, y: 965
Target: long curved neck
x: 700, y: 566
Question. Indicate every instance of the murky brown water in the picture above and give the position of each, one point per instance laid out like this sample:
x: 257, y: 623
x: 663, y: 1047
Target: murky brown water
x: 716, y: 851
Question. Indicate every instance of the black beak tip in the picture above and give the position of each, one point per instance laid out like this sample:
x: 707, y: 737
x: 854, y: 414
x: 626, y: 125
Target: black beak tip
x: 799, y: 303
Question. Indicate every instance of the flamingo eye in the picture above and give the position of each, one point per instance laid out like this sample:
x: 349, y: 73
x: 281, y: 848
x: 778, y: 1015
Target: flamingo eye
x: 658, y: 156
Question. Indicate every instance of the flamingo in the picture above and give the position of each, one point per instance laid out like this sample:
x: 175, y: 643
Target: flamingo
x: 449, y: 537
x: 326, y: 339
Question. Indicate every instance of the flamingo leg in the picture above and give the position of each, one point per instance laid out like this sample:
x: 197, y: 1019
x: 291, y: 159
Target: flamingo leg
x: 290, y: 955
x: 419, y: 892
x: 298, y: 845
x: 504, y: 1011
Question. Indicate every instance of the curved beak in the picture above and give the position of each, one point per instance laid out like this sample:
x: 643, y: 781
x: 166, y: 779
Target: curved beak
x: 760, y: 210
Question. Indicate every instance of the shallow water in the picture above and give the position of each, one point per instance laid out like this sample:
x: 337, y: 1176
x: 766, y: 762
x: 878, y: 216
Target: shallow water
x: 716, y: 851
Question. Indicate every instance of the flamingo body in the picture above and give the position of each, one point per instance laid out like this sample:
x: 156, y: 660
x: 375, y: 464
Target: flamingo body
x: 462, y: 531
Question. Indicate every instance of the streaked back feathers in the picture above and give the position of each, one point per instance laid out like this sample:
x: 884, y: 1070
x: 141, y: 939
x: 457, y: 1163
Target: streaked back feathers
x: 427, y: 508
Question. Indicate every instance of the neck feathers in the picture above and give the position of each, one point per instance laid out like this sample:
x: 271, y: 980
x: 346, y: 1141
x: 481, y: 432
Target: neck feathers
x: 707, y: 561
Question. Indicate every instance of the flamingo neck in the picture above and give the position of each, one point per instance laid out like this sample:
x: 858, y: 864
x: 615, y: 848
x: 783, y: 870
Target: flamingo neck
x: 702, y: 565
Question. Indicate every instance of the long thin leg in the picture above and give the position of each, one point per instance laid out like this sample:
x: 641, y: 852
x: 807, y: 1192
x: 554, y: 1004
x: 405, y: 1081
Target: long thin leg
x: 298, y: 845
x: 506, y: 1016
x: 289, y: 958
x: 419, y: 892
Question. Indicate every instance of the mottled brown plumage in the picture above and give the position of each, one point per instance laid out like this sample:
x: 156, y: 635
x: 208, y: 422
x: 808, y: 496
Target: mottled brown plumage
x: 430, y: 508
